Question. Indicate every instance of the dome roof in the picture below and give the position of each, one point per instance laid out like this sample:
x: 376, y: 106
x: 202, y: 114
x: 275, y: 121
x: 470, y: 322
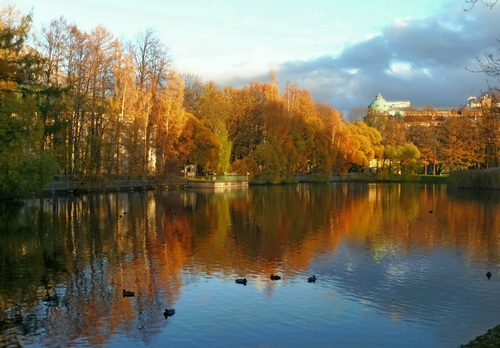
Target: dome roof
x: 379, y: 104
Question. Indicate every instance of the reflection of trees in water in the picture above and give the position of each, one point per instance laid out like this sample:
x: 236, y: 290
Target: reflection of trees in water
x: 66, y: 260
x: 108, y: 242
x: 405, y: 276
x: 480, y: 196
x: 401, y: 217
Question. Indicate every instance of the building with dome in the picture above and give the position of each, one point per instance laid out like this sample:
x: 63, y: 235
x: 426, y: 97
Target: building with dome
x: 426, y: 115
x: 380, y: 105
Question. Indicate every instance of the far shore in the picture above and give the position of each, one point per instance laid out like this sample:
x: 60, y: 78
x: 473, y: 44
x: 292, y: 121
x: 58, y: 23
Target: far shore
x: 482, y: 179
x: 63, y: 184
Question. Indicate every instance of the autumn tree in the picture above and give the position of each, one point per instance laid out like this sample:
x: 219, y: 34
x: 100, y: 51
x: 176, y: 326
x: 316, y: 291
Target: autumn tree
x: 197, y: 144
x: 392, y: 128
x: 459, y: 143
x: 340, y: 139
x: 102, y: 52
x: 246, y: 124
x: 78, y: 86
x: 270, y: 161
x: 402, y: 159
x: 171, y: 123
x: 489, y: 134
x: 306, y: 124
x: 80, y: 81
x: 112, y: 108
x: 282, y: 135
x: 51, y: 99
x: 124, y: 145
x: 331, y: 130
x: 365, y: 144
x: 153, y: 65
x: 214, y: 111
x: 425, y: 138
x: 193, y: 88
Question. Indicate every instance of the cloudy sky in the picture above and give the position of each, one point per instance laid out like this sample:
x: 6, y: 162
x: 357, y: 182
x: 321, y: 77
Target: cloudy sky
x: 343, y: 51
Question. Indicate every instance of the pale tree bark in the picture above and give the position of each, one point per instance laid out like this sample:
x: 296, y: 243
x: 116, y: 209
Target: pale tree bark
x: 171, y: 120
x: 122, y: 108
x: 153, y: 64
x: 102, y: 48
x: 52, y: 45
x: 76, y: 71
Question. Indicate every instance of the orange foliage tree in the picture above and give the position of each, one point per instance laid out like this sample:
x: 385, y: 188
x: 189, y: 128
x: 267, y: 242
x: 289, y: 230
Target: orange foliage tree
x: 124, y: 110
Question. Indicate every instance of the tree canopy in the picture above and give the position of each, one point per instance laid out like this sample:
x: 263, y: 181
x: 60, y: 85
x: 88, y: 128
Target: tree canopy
x: 86, y: 105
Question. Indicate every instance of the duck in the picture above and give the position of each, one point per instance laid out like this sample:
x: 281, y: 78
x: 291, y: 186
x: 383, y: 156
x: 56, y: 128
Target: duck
x: 128, y: 293
x: 275, y: 277
x: 241, y: 281
x: 311, y: 279
x: 168, y: 312
x: 488, y: 274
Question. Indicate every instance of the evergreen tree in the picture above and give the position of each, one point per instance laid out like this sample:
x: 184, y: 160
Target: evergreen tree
x: 24, y: 166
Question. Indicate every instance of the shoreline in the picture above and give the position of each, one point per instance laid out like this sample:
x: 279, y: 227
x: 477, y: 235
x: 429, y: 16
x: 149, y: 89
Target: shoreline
x: 73, y: 185
x: 482, y: 179
x: 62, y: 185
x: 490, y: 339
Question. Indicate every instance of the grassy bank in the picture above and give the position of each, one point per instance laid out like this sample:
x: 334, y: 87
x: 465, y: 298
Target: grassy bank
x: 491, y: 339
x: 484, y: 179
x: 433, y: 179
x: 366, y: 177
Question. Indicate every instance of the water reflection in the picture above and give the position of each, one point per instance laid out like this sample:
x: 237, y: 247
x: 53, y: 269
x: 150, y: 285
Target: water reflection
x: 409, y: 254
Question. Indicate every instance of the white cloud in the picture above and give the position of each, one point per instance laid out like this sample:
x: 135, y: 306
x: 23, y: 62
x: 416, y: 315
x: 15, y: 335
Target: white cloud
x: 404, y: 69
x: 421, y: 60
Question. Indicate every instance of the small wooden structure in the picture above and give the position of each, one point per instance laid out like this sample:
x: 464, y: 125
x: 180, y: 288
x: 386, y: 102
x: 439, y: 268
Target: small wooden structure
x: 214, y: 181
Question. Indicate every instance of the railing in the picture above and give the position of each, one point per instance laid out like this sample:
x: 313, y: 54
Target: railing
x: 223, y: 177
x: 214, y: 181
x: 63, y: 184
x: 67, y: 184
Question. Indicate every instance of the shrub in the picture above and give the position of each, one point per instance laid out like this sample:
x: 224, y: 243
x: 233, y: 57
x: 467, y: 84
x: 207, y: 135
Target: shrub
x: 487, y: 179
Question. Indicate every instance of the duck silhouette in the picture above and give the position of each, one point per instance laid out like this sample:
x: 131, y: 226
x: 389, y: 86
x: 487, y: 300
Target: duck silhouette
x: 128, y: 293
x: 275, y: 277
x: 311, y: 279
x: 241, y: 281
x: 488, y: 274
x: 168, y: 312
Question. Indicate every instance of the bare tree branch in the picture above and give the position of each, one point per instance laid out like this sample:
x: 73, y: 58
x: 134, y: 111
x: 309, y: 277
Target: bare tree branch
x: 490, y: 65
x: 469, y: 4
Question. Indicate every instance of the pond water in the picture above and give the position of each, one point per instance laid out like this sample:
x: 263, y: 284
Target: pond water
x: 397, y: 266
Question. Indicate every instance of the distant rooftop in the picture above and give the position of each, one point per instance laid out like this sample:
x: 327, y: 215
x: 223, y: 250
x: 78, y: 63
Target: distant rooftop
x: 380, y: 104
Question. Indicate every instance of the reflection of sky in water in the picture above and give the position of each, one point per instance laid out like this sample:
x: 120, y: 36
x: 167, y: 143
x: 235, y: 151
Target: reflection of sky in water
x: 219, y: 313
x: 435, y: 290
x: 355, y: 302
